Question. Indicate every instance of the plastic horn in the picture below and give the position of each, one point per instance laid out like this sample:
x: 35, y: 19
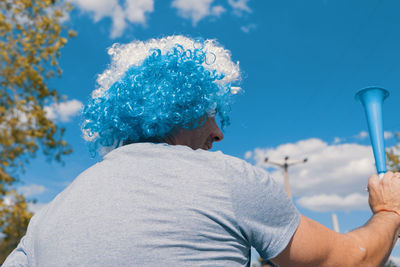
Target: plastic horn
x: 372, y: 99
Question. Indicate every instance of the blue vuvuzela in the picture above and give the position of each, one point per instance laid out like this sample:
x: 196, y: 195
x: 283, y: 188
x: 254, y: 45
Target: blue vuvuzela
x: 372, y: 99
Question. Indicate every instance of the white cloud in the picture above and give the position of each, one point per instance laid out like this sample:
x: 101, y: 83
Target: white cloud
x: 337, y: 140
x: 196, y: 10
x: 331, y: 202
x: 239, y: 6
x: 248, y: 155
x: 362, y: 135
x: 123, y: 12
x: 98, y: 8
x: 248, y: 28
x: 119, y: 23
x: 63, y: 111
x: 217, y: 10
x: 388, y: 135
x: 337, y: 169
x: 31, y: 190
x: 134, y: 11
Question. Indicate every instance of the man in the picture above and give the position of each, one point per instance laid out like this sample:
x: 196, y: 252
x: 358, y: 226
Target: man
x: 162, y: 198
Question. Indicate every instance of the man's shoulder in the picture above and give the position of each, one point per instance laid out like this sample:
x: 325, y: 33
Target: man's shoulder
x: 145, y: 149
x: 178, y: 154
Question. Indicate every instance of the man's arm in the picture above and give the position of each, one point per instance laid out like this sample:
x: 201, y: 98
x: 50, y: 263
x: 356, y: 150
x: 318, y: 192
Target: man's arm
x: 370, y: 245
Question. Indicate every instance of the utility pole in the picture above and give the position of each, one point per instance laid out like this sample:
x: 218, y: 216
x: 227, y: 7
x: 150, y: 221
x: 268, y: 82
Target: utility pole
x: 335, y: 223
x: 285, y: 167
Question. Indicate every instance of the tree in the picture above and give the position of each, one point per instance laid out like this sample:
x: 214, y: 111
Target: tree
x: 393, y: 156
x: 390, y: 263
x: 393, y: 164
x: 31, y: 36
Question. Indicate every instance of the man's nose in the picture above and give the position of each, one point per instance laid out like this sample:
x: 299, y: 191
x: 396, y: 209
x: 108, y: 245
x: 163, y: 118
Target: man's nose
x: 217, y: 134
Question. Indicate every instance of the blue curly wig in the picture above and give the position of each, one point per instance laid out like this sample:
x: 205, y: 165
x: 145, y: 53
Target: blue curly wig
x: 168, y: 89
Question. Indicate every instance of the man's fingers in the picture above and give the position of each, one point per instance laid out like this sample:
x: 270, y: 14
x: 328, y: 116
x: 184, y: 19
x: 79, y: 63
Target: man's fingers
x: 373, y: 181
x: 388, y: 175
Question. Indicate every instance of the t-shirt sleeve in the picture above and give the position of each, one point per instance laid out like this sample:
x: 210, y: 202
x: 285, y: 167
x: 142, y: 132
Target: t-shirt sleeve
x: 18, y: 256
x: 22, y: 255
x: 265, y: 214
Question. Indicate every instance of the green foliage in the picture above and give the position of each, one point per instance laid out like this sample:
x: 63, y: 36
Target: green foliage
x: 390, y: 263
x: 31, y: 36
x: 393, y: 158
x: 14, y: 221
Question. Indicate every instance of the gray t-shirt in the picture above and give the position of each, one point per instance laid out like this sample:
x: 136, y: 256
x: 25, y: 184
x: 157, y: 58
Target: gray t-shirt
x: 155, y: 204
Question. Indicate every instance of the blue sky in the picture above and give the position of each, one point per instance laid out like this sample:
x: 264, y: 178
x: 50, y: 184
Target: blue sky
x: 302, y: 63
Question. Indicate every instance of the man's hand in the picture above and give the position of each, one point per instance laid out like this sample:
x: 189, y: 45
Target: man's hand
x: 370, y: 245
x: 384, y: 194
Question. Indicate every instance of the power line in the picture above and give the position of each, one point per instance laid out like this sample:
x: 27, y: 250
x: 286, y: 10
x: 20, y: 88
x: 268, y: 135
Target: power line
x: 285, y: 166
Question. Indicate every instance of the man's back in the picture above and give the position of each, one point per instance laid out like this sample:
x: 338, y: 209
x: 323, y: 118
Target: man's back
x: 147, y: 204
